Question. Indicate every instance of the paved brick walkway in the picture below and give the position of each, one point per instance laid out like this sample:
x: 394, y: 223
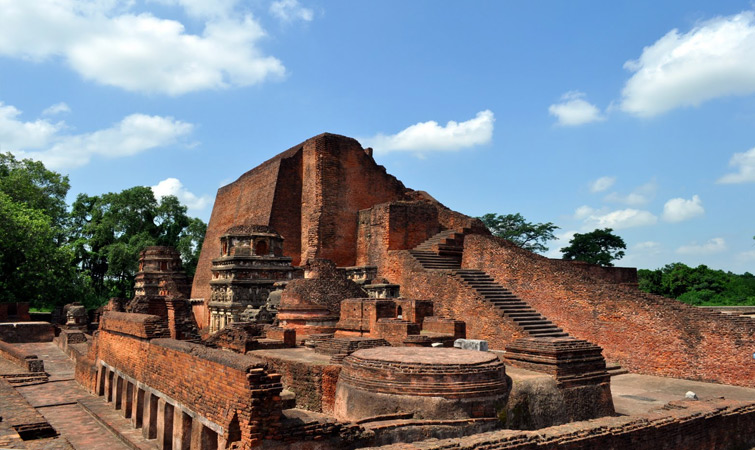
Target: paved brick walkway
x: 58, y: 400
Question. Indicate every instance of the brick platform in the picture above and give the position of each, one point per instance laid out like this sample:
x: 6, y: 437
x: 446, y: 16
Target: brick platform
x: 431, y: 383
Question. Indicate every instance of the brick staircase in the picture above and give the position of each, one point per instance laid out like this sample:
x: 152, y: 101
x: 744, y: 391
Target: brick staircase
x: 509, y: 305
x: 443, y: 251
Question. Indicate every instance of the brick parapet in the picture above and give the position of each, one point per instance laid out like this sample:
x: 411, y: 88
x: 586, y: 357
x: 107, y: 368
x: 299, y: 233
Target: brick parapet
x: 231, y: 384
x: 689, y: 425
x: 28, y: 361
x: 143, y: 326
x: 645, y: 333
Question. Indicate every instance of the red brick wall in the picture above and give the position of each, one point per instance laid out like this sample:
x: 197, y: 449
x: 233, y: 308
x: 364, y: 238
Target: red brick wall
x: 707, y: 425
x: 618, y: 275
x: 310, y: 194
x: 394, y: 226
x: 452, y: 299
x: 643, y: 332
x: 339, y: 179
x: 212, y: 383
x: 248, y: 200
x: 286, y: 215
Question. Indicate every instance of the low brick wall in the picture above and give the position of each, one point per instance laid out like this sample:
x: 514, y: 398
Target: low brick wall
x: 224, y: 388
x: 645, y: 333
x: 138, y: 325
x: 28, y: 361
x: 22, y: 332
x: 692, y: 425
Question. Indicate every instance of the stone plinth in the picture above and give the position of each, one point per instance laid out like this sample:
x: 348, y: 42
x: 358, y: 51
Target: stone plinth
x: 571, y: 361
x: 431, y: 383
x: 359, y: 315
x: 441, y: 325
x: 395, y: 331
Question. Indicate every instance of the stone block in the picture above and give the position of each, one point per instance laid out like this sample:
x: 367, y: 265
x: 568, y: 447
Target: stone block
x: 472, y: 344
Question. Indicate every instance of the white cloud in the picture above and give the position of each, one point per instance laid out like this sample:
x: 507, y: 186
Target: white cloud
x: 623, y: 218
x: 429, y: 136
x: 745, y: 164
x: 16, y: 134
x: 640, y: 196
x: 715, y: 245
x: 584, y: 212
x: 574, y: 110
x: 679, y: 209
x: 647, y: 247
x: 714, y: 59
x: 203, y: 8
x: 602, y: 184
x: 173, y: 186
x: 289, y: 10
x: 58, y: 108
x: 47, y: 142
x: 104, y: 43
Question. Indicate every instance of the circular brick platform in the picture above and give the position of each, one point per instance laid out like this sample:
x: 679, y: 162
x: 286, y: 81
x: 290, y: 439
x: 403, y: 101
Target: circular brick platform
x: 431, y: 383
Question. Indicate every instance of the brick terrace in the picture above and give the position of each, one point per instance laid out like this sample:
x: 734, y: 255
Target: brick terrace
x: 59, y: 402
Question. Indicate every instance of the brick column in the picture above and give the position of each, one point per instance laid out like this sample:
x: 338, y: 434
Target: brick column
x: 164, y: 425
x: 109, y: 385
x: 149, y: 418
x: 128, y: 395
x: 138, y: 408
x: 118, y: 394
x: 181, y: 430
x: 202, y: 438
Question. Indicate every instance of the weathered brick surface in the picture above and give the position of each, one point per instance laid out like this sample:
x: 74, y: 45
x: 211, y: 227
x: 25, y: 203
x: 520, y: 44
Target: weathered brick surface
x: 19, y: 332
x: 231, y: 384
x: 27, y: 361
x: 644, y: 333
x: 452, y: 299
x: 310, y: 194
x: 708, y: 425
x: 140, y: 325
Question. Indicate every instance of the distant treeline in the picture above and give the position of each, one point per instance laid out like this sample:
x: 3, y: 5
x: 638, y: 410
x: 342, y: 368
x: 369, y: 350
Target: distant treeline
x: 699, y: 286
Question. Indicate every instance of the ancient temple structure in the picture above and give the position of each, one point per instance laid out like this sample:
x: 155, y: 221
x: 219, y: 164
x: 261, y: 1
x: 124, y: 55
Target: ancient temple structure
x: 398, y: 320
x: 158, y: 264
x: 251, y: 261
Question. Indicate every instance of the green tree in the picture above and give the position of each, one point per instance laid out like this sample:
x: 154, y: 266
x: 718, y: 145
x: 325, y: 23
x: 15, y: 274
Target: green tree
x: 527, y: 235
x: 33, y: 267
x: 109, y: 231
x: 600, y: 247
x: 35, y: 263
x: 30, y: 183
x: 699, y: 285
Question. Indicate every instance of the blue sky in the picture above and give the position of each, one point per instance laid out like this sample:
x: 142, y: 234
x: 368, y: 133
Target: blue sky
x: 634, y: 115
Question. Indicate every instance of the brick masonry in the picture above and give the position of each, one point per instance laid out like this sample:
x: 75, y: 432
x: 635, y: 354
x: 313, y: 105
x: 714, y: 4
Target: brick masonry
x: 695, y: 425
x: 645, y: 333
x: 233, y: 386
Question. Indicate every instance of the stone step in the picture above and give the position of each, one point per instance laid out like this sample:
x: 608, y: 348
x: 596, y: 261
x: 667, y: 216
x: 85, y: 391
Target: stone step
x: 550, y: 334
x: 542, y: 329
x: 614, y: 369
x: 535, y: 324
x: 111, y: 419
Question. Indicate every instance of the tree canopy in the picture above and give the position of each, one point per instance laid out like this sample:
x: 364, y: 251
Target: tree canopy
x: 699, y: 285
x: 527, y: 235
x: 34, y: 264
x: 51, y: 255
x: 600, y: 247
x: 109, y: 231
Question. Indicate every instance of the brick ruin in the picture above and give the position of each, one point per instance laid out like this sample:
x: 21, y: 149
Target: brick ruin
x: 326, y: 308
